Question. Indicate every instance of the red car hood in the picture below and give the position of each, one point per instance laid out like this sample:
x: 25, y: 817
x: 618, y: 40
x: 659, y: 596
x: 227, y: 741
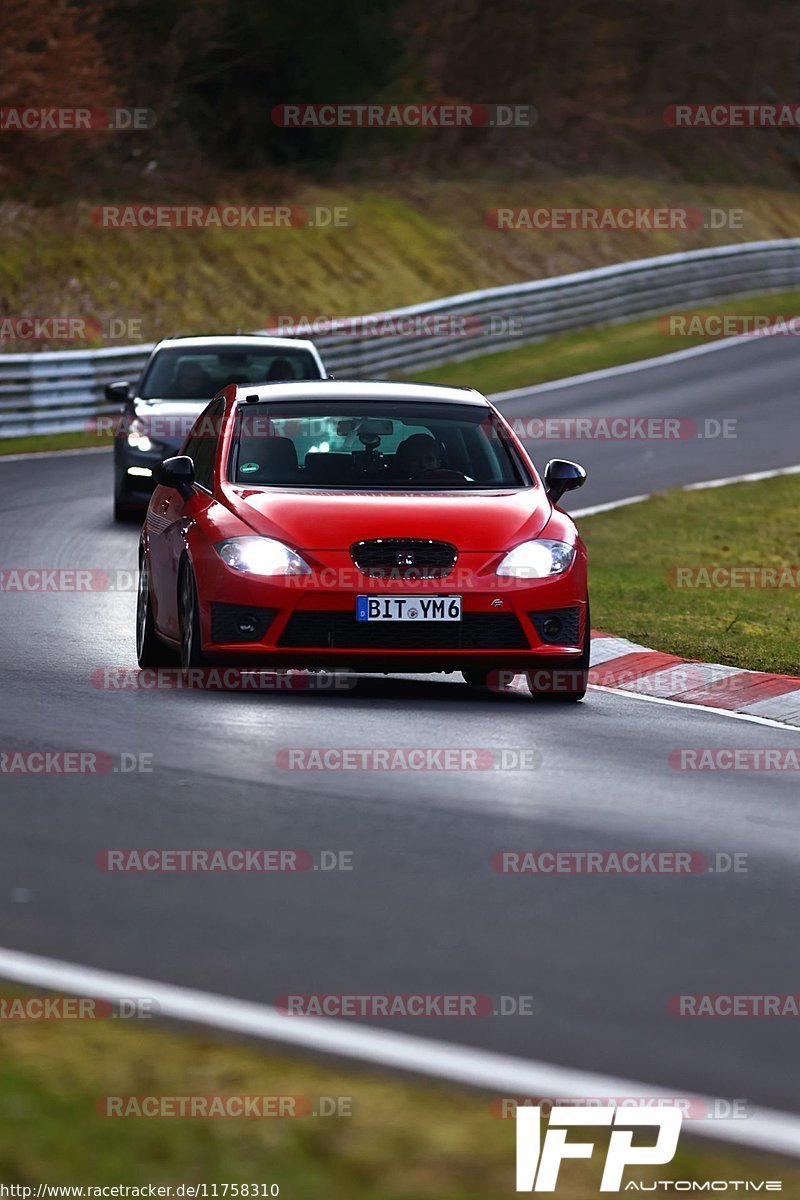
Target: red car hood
x: 484, y: 521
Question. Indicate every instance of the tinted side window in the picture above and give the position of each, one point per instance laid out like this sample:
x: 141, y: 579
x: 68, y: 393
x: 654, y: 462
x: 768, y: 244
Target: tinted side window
x: 203, y: 441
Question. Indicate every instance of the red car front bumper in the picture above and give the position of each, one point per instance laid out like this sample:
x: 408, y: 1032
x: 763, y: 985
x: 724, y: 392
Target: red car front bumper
x: 310, y: 620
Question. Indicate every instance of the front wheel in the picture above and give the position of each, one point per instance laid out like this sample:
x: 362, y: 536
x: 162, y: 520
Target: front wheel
x: 150, y: 650
x: 124, y: 514
x: 191, y: 649
x: 565, y: 684
x: 125, y: 511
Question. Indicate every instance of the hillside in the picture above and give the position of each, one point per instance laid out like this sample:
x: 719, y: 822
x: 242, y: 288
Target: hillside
x: 401, y: 246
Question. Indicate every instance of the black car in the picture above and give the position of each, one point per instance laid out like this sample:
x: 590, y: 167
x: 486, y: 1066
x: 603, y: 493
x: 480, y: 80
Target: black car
x: 177, y: 382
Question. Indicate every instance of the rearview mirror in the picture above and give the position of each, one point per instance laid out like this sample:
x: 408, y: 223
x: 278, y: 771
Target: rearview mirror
x: 561, y: 475
x: 119, y: 391
x: 177, y: 472
x: 383, y: 427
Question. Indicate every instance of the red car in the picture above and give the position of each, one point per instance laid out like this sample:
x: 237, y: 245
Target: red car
x: 373, y: 527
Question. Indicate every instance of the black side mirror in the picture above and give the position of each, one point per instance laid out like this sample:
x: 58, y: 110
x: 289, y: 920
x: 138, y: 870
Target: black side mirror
x: 177, y: 472
x: 561, y: 475
x: 119, y: 391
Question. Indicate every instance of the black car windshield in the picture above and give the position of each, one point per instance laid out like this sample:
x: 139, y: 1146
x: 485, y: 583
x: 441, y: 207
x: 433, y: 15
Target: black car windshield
x: 198, y: 373
x: 366, y: 445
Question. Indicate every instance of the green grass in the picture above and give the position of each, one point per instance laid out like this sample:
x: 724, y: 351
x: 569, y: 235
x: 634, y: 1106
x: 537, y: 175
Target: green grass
x: 633, y: 550
x: 407, y: 240
x: 403, y: 1141
x: 35, y: 443
x: 593, y: 349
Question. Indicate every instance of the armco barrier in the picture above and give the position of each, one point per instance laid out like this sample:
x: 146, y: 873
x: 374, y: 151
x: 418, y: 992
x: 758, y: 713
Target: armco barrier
x: 58, y: 391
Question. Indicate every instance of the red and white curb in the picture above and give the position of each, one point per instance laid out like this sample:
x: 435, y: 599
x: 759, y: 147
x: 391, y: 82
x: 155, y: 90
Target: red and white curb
x: 625, y: 666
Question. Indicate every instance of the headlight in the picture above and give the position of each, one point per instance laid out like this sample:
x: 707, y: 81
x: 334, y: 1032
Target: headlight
x: 534, y: 560
x: 138, y: 439
x: 261, y: 556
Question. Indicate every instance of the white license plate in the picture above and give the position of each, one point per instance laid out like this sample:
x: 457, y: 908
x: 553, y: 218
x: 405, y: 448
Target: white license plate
x: 408, y: 608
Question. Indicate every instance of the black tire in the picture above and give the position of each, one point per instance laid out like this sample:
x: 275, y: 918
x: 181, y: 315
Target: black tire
x: 124, y: 512
x: 151, y: 652
x: 576, y: 675
x: 476, y: 677
x: 191, y: 646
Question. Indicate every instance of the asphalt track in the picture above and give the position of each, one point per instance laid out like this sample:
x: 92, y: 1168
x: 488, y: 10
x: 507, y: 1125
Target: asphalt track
x: 422, y: 910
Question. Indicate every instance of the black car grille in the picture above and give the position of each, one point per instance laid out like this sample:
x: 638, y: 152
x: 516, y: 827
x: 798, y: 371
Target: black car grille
x: 404, y: 558
x: 239, y: 622
x: 475, y: 631
x: 557, y: 626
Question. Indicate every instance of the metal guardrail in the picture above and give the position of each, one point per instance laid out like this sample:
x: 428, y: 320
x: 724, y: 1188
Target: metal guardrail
x: 62, y: 390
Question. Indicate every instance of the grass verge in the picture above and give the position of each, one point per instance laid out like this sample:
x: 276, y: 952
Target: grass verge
x: 404, y: 240
x: 635, y: 551
x: 401, y: 1140
x: 35, y: 443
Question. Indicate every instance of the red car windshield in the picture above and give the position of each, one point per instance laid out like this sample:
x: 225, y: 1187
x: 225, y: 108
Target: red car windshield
x: 368, y: 445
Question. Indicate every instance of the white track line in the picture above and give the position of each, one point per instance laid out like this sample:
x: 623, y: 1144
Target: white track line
x: 751, y: 477
x: 763, y: 1129
x: 702, y: 708
x: 642, y: 364
x: 608, y: 506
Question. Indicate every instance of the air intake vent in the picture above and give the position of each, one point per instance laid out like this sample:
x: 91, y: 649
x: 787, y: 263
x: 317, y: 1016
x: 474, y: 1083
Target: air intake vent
x: 476, y: 631
x: 557, y: 626
x: 239, y: 623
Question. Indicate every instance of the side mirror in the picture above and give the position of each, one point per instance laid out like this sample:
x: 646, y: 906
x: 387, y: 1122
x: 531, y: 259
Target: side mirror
x: 177, y: 472
x: 561, y: 475
x: 119, y: 391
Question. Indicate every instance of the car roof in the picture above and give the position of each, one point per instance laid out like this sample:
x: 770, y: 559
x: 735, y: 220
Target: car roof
x: 242, y: 341
x: 358, y: 389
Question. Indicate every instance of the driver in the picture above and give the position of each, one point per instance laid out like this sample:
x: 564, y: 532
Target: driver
x: 417, y: 455
x: 192, y: 382
x: 280, y: 370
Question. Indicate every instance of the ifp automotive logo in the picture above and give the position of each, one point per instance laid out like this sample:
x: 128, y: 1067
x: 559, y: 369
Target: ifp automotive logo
x: 538, y: 1164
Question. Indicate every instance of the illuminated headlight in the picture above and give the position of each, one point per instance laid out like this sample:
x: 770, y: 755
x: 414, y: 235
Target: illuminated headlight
x: 537, y: 559
x: 140, y: 441
x: 261, y: 556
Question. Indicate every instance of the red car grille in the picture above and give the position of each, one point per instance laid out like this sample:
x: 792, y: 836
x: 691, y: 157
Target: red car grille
x: 404, y: 558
